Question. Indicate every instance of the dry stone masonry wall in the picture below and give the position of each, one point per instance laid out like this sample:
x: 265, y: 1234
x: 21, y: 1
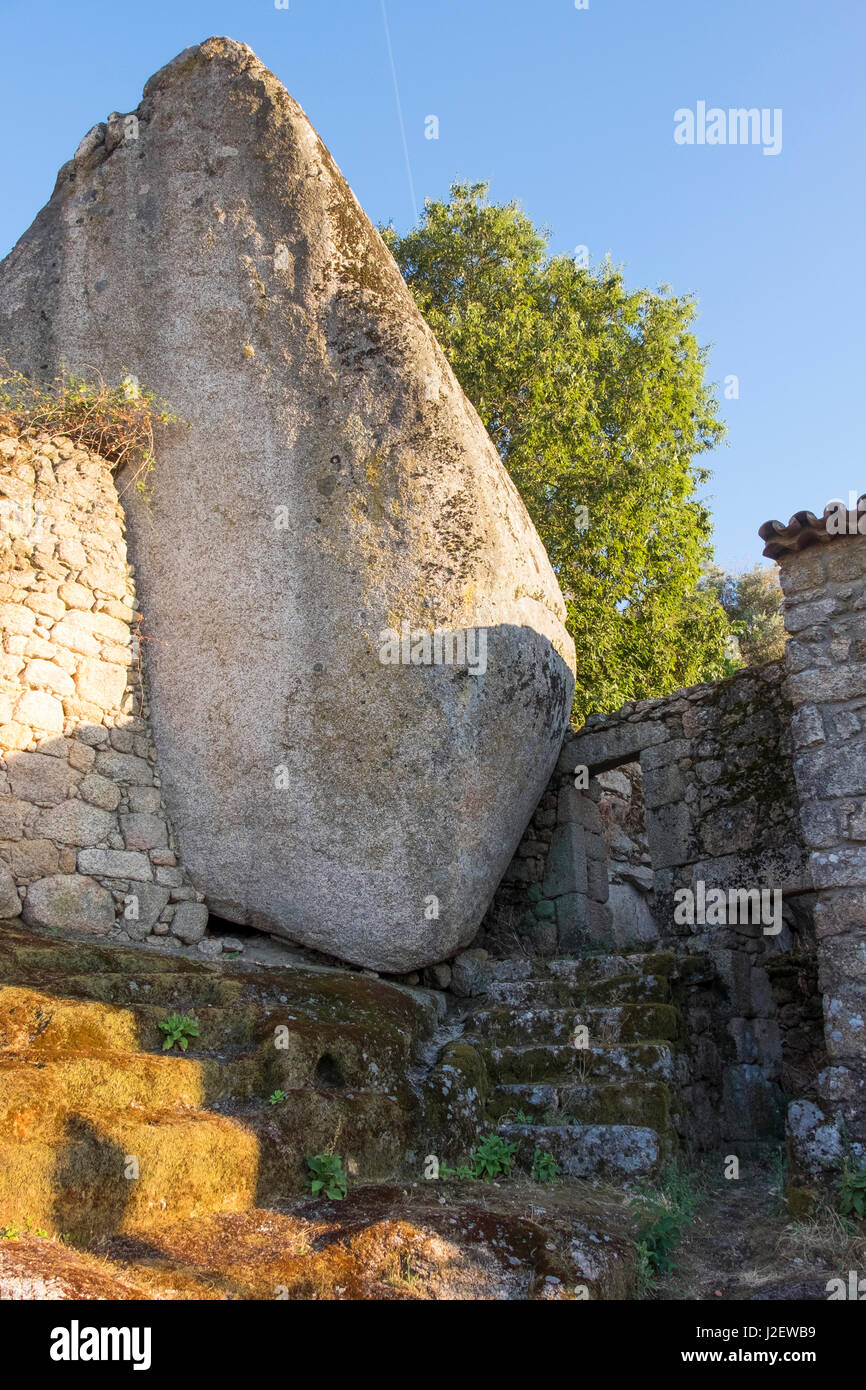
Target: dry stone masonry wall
x: 696, y: 792
x: 716, y: 783
x: 757, y: 782
x: 709, y: 770
x: 824, y: 582
x: 85, y: 841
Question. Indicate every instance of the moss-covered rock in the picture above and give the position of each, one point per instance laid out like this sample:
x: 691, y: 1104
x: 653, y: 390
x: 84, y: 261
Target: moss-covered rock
x: 102, y: 1129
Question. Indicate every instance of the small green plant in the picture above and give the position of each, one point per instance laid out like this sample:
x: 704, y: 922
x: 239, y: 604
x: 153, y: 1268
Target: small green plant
x: 178, y: 1028
x: 493, y: 1157
x: 34, y: 1230
x: 852, y: 1192
x: 400, y: 1271
x: 521, y: 1118
x: 664, y: 1213
x: 659, y: 1235
x: 545, y: 1167
x: 10, y: 1232
x: 645, y: 1275
x: 778, y: 1165
x: 462, y: 1172
x: 328, y: 1176
x: 277, y: 1098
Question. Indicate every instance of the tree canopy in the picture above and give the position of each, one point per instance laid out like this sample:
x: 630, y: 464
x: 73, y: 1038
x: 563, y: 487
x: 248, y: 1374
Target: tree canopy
x: 752, y: 600
x: 595, y: 397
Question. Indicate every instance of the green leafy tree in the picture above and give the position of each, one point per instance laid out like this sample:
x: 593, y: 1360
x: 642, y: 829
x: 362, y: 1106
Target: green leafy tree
x: 595, y: 398
x: 752, y: 599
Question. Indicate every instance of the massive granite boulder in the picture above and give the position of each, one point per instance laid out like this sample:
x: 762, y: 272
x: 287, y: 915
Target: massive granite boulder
x: 349, y: 790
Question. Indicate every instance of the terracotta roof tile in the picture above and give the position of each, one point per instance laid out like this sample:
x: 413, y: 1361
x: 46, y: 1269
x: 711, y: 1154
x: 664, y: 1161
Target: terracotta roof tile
x: 805, y: 528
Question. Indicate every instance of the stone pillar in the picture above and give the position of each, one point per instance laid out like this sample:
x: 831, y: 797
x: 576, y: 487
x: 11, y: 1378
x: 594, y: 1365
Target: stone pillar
x: 824, y: 582
x: 576, y: 875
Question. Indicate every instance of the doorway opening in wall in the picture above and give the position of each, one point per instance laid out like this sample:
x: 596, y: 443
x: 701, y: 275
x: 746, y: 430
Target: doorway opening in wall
x: 629, y: 868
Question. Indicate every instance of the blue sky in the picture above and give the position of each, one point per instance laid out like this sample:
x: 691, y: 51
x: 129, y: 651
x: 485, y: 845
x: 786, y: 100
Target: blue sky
x: 572, y: 112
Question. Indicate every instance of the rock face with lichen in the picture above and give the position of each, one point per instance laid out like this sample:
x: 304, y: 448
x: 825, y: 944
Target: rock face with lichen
x: 358, y: 794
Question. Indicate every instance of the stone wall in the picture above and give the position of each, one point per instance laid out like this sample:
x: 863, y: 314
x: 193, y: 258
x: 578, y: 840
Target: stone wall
x: 710, y: 770
x: 824, y: 583
x: 717, y: 785
x: 85, y: 841
x: 695, y: 789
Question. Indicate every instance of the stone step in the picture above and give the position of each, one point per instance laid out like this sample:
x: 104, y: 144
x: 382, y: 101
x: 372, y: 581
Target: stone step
x: 42, y: 1102
x: 633, y: 1102
x: 88, y: 1094
x: 373, y: 1133
x: 513, y: 968
x: 556, y: 1064
x: 592, y: 969
x: 111, y: 975
x: 81, y: 1180
x: 562, y: 994
x: 290, y: 1049
x: 588, y: 969
x: 28, y: 953
x: 41, y: 1020
x: 179, y: 992
x: 620, y: 1023
x: 608, y: 1151
x: 37, y: 1090
x: 39, y: 1086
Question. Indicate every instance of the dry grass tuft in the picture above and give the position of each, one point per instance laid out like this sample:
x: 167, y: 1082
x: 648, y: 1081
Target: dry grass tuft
x: 116, y: 422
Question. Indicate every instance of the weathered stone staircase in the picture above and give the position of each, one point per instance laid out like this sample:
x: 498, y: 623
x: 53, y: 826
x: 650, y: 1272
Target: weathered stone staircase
x: 580, y: 1060
x: 102, y: 1131
x: 175, y: 1166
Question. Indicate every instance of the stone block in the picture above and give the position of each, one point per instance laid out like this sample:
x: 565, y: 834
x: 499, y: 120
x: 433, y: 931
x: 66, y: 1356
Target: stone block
x: 623, y: 743
x: 565, y: 871
x: 143, y: 907
x: 10, y: 903
x: 39, y: 710
x: 30, y: 859
x: 69, y: 902
x: 39, y: 779
x: 141, y: 830
x: 101, y: 682
x: 572, y: 922
x: 660, y: 755
x: 124, y: 767
x: 815, y: 1140
x: 597, y: 882
x: 99, y: 791
x: 578, y: 808
x: 670, y: 835
x: 632, y: 919
x: 663, y: 785
x: 115, y: 863
x: 76, y: 822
